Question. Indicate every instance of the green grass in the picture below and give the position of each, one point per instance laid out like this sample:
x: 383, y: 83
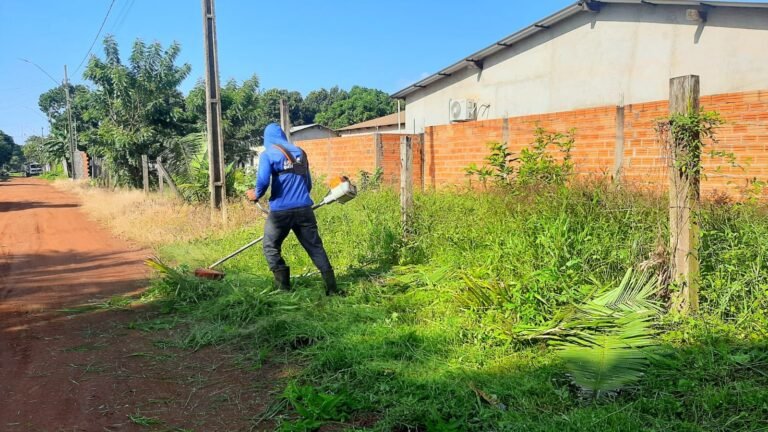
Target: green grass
x: 410, y: 345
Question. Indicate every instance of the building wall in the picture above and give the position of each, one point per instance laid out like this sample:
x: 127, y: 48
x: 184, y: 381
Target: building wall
x: 391, y: 163
x: 449, y: 149
x: 341, y: 155
x: 390, y: 129
x: 625, y: 52
x: 312, y: 133
x: 351, y: 154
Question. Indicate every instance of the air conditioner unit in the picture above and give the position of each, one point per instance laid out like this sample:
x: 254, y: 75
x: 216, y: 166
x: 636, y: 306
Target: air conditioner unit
x: 463, y: 110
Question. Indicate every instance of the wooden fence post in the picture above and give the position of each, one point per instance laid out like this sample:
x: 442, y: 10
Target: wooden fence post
x: 618, y: 155
x: 422, y: 156
x: 684, y: 196
x: 378, y: 152
x: 162, y: 172
x: 145, y: 172
x: 160, y: 181
x: 406, y: 183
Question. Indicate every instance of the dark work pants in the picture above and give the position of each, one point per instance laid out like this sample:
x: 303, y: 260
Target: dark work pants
x: 303, y: 223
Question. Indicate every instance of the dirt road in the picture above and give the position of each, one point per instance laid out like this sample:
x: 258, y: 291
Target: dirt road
x: 68, y: 368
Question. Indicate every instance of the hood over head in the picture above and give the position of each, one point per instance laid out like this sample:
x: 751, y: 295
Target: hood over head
x: 273, y: 134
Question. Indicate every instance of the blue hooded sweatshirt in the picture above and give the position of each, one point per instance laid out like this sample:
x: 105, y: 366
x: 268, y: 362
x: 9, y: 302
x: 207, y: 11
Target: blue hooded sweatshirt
x: 289, y: 190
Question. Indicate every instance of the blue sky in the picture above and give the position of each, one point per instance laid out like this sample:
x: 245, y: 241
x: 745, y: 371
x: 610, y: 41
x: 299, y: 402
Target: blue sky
x: 304, y: 46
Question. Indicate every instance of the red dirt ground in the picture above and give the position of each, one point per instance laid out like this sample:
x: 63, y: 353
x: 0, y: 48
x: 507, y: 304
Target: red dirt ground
x: 75, y: 371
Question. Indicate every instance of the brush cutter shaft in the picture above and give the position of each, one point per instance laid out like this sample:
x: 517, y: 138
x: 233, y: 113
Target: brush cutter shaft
x: 237, y: 252
x: 250, y: 245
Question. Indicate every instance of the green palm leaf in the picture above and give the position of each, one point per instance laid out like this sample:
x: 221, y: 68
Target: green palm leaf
x: 609, y: 361
x: 634, y: 293
x: 602, y: 342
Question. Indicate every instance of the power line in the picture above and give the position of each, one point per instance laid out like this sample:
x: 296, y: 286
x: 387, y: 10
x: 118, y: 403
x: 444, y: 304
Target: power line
x: 97, y: 36
x: 42, y: 70
x: 121, y: 17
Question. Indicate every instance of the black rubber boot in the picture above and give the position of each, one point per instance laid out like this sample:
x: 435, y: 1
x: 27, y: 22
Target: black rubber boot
x: 330, y: 283
x: 283, y: 279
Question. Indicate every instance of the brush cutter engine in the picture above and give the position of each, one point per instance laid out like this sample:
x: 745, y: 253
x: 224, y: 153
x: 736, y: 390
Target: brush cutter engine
x: 343, y: 191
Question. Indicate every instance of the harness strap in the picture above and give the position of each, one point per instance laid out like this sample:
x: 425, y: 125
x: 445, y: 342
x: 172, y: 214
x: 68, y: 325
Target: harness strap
x: 302, y: 168
x: 287, y: 154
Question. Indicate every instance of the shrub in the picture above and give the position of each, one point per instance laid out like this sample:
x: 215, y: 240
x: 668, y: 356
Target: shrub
x: 536, y: 164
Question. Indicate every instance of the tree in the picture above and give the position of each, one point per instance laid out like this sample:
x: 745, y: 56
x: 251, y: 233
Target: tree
x: 321, y: 100
x: 361, y: 105
x: 138, y: 107
x: 241, y: 114
x: 270, y: 106
x: 7, y: 148
x: 34, y: 150
x: 53, y: 104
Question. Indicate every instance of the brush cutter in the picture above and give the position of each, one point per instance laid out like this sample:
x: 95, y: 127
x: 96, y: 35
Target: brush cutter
x: 342, y: 191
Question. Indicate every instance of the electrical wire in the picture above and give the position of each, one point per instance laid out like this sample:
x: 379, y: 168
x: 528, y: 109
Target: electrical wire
x: 97, y: 36
x: 121, y: 17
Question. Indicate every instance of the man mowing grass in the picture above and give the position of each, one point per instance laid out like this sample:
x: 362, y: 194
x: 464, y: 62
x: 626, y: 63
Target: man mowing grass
x: 286, y: 167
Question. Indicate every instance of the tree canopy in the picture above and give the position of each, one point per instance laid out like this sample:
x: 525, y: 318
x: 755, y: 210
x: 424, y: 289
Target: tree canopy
x: 34, y: 149
x: 134, y: 106
x: 8, y: 148
x: 137, y: 106
x: 362, y: 104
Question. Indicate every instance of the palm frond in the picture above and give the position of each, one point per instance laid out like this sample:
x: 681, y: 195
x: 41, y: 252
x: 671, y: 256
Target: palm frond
x: 603, y: 341
x: 634, y: 293
x: 607, y: 361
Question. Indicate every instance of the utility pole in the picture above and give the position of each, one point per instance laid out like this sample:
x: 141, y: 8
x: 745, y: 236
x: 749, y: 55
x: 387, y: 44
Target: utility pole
x: 217, y: 183
x: 71, y: 127
x: 285, y: 118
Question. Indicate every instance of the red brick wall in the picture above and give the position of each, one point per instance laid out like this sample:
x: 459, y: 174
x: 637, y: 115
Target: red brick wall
x: 391, y: 159
x: 745, y: 134
x: 341, y: 155
x: 351, y: 154
x: 451, y: 148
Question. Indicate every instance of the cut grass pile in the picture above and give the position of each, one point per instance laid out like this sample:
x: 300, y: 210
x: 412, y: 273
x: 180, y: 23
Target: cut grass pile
x: 427, y: 336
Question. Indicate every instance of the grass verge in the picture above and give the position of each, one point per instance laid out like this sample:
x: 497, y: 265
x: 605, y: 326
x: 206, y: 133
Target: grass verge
x: 410, y: 347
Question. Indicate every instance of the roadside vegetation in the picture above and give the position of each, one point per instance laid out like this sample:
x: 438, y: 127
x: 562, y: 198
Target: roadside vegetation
x: 531, y: 301
x: 435, y: 334
x: 540, y: 303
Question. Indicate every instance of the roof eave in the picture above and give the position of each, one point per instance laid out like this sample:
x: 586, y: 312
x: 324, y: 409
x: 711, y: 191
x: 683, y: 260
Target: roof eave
x: 496, y: 47
x: 544, y: 24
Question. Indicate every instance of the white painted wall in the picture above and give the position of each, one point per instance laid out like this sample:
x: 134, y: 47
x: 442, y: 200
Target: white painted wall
x: 624, y: 52
x: 315, y: 132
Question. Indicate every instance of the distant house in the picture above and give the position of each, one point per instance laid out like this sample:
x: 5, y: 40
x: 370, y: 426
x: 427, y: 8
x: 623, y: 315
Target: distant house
x: 385, y: 124
x: 311, y: 131
x: 599, y: 53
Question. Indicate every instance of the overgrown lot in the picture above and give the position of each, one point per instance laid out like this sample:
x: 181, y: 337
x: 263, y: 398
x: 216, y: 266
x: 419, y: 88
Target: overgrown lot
x: 434, y: 332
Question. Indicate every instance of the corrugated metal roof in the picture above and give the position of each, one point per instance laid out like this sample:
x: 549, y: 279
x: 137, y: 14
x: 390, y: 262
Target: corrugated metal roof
x: 387, y: 120
x: 307, y: 126
x: 588, y: 6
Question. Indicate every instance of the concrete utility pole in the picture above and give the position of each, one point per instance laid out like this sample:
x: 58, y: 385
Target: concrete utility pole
x: 71, y: 127
x: 285, y: 118
x: 217, y: 183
